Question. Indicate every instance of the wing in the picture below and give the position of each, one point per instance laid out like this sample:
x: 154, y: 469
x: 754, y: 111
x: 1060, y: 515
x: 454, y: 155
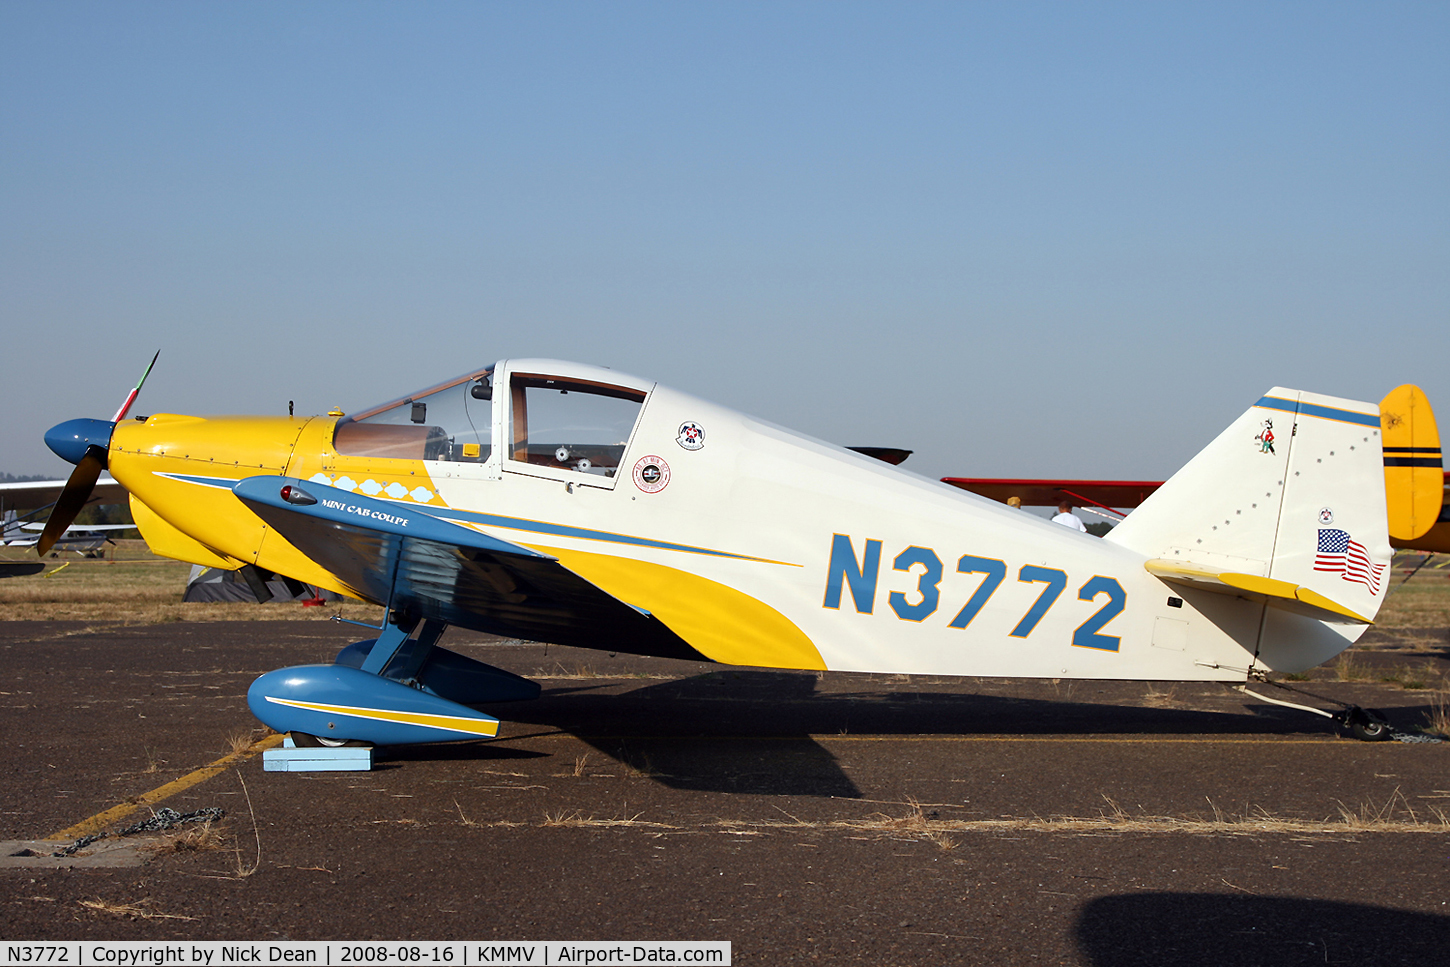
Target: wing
x: 399, y: 555
x: 83, y: 530
x: 1048, y: 493
x: 35, y: 494
x: 892, y: 455
x: 18, y: 569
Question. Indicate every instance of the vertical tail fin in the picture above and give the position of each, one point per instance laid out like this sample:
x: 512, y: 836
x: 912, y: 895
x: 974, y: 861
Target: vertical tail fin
x: 1286, y: 507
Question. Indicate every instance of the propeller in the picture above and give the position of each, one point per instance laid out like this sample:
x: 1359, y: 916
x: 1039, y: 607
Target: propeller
x: 77, y: 491
x: 84, y: 443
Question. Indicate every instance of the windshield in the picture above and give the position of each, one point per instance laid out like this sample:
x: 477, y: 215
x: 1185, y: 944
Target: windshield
x: 452, y: 421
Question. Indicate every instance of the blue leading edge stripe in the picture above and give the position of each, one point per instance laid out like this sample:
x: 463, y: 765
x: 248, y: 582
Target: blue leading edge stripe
x: 583, y: 533
x: 223, y: 483
x: 1323, y: 412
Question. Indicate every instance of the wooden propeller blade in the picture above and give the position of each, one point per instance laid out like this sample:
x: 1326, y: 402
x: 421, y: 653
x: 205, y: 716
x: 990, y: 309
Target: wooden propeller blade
x: 77, y: 491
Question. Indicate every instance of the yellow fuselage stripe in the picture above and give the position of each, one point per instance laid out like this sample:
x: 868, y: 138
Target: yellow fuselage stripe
x: 453, y: 723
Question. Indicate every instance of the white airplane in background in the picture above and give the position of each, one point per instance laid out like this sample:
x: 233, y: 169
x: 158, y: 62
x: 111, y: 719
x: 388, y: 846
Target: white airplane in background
x: 33, y: 496
x: 560, y: 502
x: 28, y: 495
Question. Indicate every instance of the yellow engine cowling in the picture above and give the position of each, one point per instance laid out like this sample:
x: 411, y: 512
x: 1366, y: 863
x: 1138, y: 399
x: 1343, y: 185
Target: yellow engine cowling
x: 180, y: 470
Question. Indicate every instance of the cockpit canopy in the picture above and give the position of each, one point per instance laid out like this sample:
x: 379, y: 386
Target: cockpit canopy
x: 554, y: 421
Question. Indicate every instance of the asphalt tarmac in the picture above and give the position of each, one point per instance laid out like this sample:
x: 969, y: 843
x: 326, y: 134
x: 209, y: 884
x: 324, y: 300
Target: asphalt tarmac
x: 837, y: 818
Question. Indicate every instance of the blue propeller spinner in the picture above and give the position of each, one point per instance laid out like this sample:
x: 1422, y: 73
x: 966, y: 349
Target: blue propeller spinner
x: 71, y: 439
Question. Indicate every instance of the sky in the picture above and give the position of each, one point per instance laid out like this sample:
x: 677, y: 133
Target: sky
x: 1021, y: 239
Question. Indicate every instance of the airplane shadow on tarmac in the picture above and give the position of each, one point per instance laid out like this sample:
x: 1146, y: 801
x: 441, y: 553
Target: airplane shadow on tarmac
x: 1213, y: 930
x: 745, y: 731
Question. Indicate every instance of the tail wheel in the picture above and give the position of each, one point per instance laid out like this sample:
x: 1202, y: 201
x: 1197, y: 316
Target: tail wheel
x: 1370, y: 725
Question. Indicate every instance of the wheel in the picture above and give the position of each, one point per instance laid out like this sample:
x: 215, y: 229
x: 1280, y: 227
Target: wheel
x: 303, y: 740
x: 1369, y: 725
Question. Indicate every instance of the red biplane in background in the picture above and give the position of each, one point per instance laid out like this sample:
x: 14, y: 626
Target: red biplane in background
x: 1417, y: 489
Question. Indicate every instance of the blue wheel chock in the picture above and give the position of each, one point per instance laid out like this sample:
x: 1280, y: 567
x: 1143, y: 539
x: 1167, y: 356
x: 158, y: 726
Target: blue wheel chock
x: 290, y: 758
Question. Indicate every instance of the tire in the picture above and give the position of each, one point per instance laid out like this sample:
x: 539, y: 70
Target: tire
x: 304, y: 740
x: 1369, y: 725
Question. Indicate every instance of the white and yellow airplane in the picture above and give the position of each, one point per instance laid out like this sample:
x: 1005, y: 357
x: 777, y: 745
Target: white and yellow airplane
x: 560, y: 502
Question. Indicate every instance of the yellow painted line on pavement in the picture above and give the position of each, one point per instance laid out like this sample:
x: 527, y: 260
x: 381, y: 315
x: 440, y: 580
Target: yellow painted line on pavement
x: 1094, y: 739
x: 101, y: 820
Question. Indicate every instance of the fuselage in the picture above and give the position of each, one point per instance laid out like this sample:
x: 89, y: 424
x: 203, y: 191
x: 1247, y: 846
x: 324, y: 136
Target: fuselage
x: 756, y: 545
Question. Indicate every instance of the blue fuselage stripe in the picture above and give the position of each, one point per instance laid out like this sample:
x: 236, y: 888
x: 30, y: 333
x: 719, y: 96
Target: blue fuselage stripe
x: 583, y: 533
x: 223, y: 483
x: 1323, y: 412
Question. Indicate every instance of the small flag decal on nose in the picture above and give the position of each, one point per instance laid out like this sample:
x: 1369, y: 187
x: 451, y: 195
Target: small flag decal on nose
x: 1340, y: 554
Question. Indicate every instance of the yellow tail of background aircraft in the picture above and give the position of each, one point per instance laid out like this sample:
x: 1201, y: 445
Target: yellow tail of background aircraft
x: 1415, y: 479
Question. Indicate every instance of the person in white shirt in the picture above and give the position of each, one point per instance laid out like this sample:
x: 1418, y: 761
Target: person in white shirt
x: 1067, y: 518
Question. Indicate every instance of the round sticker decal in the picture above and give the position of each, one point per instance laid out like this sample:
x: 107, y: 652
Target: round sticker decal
x: 651, y: 474
x: 1326, y: 517
x: 691, y: 436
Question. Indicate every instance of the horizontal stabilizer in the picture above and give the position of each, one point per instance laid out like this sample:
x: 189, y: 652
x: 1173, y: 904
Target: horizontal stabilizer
x: 1271, y: 591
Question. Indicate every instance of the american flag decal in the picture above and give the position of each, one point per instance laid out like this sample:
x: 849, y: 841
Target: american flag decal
x: 1348, y: 558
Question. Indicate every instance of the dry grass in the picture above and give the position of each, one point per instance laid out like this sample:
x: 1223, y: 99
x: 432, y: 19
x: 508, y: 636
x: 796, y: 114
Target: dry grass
x: 1394, y: 815
x: 640, y: 767
x: 133, y: 586
x: 240, y: 740
x: 914, y: 823
x: 1438, y: 718
x: 205, y: 838
x: 464, y: 817
x: 580, y: 762
x: 137, y: 910
x: 574, y: 820
x: 577, y: 673
x: 154, y: 762
x: 1422, y: 602
x: 1349, y: 667
x: 1412, y: 678
x: 244, y: 871
x: 1159, y: 698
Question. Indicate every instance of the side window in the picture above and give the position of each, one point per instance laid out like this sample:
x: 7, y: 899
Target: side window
x: 571, y: 424
x: 452, y: 423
